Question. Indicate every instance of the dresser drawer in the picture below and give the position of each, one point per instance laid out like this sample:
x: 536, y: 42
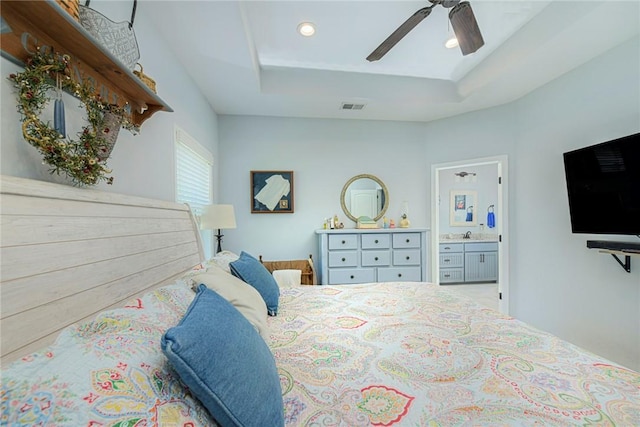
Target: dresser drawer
x: 451, y: 260
x: 399, y: 274
x: 343, y: 259
x: 351, y: 275
x: 343, y: 241
x: 406, y: 240
x: 451, y: 275
x: 451, y: 247
x: 375, y: 258
x: 375, y: 241
x: 406, y: 257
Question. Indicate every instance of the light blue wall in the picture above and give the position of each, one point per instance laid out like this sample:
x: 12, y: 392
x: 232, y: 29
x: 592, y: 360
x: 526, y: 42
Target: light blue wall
x: 557, y: 284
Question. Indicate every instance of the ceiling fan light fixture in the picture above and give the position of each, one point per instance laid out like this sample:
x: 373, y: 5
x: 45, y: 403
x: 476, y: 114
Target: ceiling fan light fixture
x: 306, y: 29
x: 451, y: 42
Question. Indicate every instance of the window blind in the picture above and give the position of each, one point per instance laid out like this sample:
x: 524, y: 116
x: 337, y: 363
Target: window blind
x: 194, y: 171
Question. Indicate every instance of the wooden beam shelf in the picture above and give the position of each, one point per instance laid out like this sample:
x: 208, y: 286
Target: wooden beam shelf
x: 44, y: 24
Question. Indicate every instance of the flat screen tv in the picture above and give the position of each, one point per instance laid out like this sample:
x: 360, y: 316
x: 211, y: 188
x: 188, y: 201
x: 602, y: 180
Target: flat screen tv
x: 603, y: 184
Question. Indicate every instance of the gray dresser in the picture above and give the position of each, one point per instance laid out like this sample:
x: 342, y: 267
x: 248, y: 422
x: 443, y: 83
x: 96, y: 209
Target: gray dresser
x: 350, y: 256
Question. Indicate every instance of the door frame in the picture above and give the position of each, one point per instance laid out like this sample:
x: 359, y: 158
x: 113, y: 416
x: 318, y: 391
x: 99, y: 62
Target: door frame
x: 502, y: 225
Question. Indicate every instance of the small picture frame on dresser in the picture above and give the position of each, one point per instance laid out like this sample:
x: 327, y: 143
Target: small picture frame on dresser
x: 271, y: 191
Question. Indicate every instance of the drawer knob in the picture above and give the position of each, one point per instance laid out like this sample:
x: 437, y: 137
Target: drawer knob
x: 376, y: 240
x: 376, y: 258
x: 352, y: 276
x: 446, y: 260
x: 344, y: 259
x: 447, y: 247
x: 447, y: 275
x: 343, y: 242
x: 408, y: 240
x: 399, y: 274
x: 408, y: 258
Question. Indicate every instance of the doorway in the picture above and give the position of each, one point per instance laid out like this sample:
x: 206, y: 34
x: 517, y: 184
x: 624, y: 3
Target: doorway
x: 462, y: 172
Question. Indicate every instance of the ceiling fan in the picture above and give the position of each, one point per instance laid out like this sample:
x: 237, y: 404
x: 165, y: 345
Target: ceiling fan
x: 462, y: 20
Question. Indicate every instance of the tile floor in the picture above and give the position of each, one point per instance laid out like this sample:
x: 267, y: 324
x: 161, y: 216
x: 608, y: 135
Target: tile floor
x: 484, y: 293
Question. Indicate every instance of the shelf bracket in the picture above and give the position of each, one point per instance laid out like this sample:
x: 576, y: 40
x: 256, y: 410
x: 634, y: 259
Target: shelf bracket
x: 626, y: 264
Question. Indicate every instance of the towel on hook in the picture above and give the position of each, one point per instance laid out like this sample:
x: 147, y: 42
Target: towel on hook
x: 469, y: 214
x: 491, y: 217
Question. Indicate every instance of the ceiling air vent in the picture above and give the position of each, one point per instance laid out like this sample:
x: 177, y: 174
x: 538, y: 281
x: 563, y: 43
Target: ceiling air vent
x: 351, y: 106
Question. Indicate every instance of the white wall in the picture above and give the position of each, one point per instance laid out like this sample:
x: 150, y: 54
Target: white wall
x: 557, y: 284
x: 143, y: 164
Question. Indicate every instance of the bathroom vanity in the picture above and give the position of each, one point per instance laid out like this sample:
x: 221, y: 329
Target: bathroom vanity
x: 468, y: 260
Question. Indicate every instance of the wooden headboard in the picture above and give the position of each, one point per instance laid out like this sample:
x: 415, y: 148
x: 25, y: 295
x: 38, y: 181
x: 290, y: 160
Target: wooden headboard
x: 68, y: 253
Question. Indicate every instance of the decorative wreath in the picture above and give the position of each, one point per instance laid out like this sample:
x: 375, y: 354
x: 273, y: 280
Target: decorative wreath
x: 84, y: 160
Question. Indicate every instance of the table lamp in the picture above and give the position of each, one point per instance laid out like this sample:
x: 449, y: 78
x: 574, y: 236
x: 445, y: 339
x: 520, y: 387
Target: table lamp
x: 218, y: 217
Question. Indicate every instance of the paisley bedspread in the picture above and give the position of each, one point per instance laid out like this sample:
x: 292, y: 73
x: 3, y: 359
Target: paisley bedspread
x: 404, y: 354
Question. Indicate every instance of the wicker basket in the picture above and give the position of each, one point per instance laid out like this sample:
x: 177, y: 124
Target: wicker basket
x: 145, y: 79
x: 71, y: 6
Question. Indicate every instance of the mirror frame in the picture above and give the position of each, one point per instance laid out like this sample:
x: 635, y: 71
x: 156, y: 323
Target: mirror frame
x: 373, y: 178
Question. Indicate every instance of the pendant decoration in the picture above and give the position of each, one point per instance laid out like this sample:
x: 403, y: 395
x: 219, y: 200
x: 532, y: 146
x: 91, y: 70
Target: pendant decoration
x: 58, y: 110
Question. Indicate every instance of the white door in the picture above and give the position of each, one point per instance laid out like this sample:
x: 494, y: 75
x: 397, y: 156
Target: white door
x: 364, y: 203
x: 501, y: 213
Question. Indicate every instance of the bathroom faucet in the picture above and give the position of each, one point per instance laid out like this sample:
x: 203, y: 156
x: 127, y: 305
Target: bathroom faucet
x: 467, y: 235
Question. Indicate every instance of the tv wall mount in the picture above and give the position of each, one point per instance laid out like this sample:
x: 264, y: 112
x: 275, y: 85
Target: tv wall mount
x: 626, y: 249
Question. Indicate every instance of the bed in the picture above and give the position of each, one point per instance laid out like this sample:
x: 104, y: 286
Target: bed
x: 377, y: 354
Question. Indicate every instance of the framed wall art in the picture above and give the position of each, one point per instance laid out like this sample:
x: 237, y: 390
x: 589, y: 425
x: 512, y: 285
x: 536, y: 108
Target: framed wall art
x: 271, y: 191
x: 462, y: 208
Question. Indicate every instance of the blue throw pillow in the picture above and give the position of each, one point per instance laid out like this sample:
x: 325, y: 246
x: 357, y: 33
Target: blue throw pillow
x: 251, y: 271
x: 225, y: 363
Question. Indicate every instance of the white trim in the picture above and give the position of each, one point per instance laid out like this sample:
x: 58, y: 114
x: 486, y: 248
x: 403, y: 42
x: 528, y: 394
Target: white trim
x: 502, y: 225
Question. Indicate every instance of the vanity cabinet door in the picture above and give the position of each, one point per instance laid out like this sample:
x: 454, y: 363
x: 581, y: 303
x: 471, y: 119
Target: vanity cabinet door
x: 480, y: 266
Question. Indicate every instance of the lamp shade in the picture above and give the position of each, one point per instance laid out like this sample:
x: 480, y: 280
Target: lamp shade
x: 217, y: 216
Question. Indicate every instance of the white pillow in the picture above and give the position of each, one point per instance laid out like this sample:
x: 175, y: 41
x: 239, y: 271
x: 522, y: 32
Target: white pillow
x: 241, y: 295
x: 222, y: 259
x: 287, y: 278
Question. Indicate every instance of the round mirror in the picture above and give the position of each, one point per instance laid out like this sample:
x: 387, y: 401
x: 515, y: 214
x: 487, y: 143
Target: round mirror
x: 364, y: 195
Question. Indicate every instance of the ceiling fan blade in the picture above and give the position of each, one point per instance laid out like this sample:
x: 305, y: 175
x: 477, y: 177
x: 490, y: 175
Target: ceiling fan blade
x: 464, y: 25
x: 399, y: 33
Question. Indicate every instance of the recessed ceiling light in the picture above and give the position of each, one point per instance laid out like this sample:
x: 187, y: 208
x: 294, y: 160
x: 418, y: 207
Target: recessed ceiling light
x: 306, y: 29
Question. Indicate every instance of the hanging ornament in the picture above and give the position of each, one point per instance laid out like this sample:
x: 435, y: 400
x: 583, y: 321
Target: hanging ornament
x: 58, y: 110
